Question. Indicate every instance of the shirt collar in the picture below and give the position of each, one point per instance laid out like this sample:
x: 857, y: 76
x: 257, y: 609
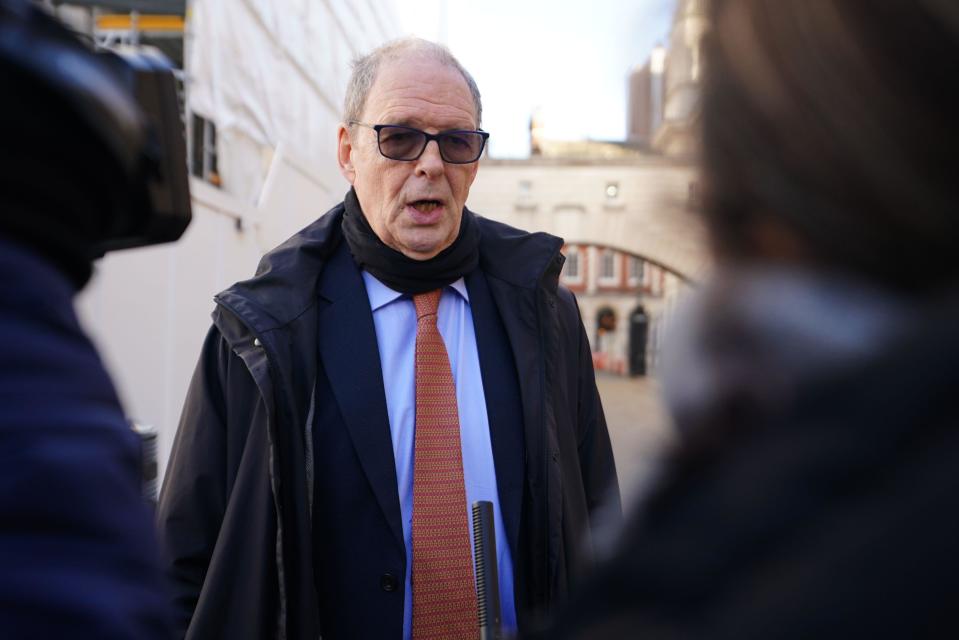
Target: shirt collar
x: 380, y: 295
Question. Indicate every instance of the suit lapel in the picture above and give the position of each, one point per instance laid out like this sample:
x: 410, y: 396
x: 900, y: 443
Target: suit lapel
x: 347, y: 348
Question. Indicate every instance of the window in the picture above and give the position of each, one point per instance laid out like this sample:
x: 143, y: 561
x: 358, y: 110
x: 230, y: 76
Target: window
x: 572, y: 270
x: 524, y: 196
x: 607, y: 267
x: 636, y: 268
x: 572, y: 266
x: 203, y: 155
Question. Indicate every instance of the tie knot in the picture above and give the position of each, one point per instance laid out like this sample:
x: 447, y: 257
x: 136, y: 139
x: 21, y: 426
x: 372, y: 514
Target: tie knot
x: 427, y: 303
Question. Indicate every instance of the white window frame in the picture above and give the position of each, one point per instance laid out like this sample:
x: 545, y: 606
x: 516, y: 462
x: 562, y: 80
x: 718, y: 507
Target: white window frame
x: 602, y: 278
x: 573, y: 253
x: 207, y: 168
x: 635, y: 279
x: 525, y: 196
x: 525, y: 191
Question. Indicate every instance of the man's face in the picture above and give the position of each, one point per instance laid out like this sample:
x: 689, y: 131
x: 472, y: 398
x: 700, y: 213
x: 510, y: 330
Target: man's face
x: 414, y: 207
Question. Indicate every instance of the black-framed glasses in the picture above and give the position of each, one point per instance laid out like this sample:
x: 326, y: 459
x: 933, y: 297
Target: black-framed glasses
x: 397, y: 142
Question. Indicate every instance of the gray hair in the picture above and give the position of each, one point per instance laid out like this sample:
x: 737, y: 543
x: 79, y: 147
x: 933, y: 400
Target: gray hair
x: 365, y: 68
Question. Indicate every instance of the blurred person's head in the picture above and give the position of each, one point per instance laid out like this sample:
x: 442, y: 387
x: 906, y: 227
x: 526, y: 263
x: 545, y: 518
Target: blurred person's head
x: 830, y: 137
x: 414, y: 203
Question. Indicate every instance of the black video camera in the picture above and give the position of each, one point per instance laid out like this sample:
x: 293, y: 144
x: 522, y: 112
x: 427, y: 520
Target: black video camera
x: 129, y: 103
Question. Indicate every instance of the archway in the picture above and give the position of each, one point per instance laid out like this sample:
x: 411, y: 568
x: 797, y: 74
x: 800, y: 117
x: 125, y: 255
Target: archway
x: 625, y: 300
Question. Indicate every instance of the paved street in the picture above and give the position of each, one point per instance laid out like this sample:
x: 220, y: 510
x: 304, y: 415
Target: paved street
x: 638, y: 426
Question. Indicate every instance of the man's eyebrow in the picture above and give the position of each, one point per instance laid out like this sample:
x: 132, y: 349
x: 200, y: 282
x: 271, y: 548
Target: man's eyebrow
x: 413, y: 123
x: 403, y: 122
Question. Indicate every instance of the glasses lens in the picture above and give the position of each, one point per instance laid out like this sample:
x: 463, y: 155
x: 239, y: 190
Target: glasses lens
x: 461, y: 146
x: 400, y: 143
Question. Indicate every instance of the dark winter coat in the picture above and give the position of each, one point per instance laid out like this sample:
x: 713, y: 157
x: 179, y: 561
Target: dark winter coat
x: 78, y: 554
x: 236, y: 511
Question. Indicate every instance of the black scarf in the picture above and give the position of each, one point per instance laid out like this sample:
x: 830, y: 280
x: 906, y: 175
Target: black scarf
x: 400, y: 272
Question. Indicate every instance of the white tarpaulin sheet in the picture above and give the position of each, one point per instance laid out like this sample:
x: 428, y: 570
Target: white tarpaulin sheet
x: 272, y: 73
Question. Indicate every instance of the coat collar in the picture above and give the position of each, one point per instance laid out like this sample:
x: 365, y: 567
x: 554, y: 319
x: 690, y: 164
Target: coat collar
x: 286, y: 280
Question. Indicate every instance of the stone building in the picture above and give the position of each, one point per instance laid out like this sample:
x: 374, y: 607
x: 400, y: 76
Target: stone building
x: 633, y: 242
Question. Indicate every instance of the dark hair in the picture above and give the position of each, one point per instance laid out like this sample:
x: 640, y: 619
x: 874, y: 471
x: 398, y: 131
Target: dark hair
x: 837, y: 121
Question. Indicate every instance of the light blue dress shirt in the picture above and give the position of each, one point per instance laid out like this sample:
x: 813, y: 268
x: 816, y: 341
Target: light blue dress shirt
x: 394, y: 317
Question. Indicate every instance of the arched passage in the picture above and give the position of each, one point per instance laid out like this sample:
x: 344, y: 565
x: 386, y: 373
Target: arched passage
x: 626, y: 300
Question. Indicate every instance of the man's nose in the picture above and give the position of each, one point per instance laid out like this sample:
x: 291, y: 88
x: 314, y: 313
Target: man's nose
x: 430, y: 161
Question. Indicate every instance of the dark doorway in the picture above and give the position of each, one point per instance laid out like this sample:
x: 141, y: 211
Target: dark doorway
x: 638, y: 335
x: 605, y: 326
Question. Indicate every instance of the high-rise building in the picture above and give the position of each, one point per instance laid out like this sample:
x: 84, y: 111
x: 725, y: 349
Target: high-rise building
x: 645, y: 102
x: 639, y: 119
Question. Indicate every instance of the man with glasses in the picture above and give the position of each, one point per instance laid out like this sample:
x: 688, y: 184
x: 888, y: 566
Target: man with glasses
x: 396, y: 361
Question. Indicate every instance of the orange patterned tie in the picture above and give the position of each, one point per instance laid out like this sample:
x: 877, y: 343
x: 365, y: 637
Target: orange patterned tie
x: 444, y: 591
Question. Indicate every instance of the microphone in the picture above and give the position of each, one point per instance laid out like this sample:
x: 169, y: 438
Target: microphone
x: 148, y: 460
x: 487, y: 578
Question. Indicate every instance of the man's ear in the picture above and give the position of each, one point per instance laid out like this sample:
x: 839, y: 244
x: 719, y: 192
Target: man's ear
x: 344, y: 153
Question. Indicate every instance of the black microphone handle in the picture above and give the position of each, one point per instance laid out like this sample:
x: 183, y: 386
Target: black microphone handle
x: 487, y: 578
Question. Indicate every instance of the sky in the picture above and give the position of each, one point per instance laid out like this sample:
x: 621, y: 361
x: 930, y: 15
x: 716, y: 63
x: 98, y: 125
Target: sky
x: 567, y: 59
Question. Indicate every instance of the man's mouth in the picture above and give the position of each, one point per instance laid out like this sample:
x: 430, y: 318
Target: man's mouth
x: 425, y: 206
